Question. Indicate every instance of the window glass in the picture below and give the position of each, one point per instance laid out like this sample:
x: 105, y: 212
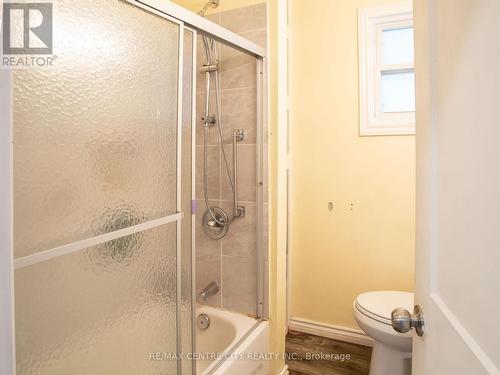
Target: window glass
x: 397, y: 92
x: 397, y: 46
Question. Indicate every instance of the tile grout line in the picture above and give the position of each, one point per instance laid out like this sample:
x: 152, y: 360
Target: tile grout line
x: 239, y: 88
x: 239, y: 257
x: 241, y: 33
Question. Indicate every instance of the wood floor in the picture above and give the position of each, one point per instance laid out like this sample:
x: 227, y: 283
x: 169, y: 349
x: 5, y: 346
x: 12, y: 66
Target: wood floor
x: 311, y: 356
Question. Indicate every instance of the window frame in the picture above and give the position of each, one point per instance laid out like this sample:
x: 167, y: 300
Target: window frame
x: 372, y: 21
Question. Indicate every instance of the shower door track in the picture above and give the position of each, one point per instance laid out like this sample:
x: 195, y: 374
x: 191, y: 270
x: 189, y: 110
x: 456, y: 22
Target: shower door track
x: 171, y: 11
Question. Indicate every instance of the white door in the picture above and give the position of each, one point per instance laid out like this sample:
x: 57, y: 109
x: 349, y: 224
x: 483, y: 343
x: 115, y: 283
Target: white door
x: 458, y: 186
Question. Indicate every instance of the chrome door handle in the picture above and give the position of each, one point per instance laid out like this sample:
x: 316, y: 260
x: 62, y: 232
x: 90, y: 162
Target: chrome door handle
x: 402, y: 321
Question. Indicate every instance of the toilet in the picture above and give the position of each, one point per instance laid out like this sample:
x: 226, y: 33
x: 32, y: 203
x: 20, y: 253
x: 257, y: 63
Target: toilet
x: 391, y: 350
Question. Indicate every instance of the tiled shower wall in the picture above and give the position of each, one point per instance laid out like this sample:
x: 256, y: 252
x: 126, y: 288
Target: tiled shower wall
x: 232, y: 261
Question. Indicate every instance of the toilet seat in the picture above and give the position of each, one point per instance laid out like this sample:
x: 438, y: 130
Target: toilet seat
x: 379, y: 305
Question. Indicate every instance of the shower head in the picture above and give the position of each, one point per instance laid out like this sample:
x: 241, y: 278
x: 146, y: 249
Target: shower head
x: 209, y: 4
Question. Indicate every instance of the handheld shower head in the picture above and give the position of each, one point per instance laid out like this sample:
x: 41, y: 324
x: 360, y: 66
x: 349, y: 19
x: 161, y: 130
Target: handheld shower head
x: 209, y: 4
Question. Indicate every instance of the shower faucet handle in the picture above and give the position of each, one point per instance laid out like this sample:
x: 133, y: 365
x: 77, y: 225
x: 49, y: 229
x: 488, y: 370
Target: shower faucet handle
x: 239, y: 134
x: 208, y: 120
x: 240, y: 211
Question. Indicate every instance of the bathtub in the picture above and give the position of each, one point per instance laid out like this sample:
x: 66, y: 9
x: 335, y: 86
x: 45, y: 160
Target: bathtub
x: 227, y: 346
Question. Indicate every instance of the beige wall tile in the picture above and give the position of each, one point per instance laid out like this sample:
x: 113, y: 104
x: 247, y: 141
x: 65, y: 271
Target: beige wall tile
x: 245, y: 19
x: 247, y: 179
x: 238, y: 69
x: 208, y: 269
x: 259, y: 37
x: 205, y: 246
x: 241, y: 239
x: 239, y: 277
x: 239, y: 111
x: 213, y: 169
x: 214, y: 17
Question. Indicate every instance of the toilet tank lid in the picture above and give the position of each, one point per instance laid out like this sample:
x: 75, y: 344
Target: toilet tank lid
x: 381, y: 303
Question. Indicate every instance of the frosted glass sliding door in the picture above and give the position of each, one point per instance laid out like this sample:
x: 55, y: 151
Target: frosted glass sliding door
x: 95, y: 136
x: 97, y: 196
x: 101, y: 310
x: 187, y: 188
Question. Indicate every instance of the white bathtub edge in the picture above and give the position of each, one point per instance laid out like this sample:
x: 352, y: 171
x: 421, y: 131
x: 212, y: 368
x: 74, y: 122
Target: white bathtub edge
x: 256, y: 342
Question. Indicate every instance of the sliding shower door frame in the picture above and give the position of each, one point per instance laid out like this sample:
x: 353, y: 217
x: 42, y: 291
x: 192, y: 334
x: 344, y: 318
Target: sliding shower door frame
x: 193, y: 196
x: 177, y: 217
x: 170, y: 10
x: 7, y: 330
x: 260, y: 189
x: 178, y: 257
x: 186, y: 20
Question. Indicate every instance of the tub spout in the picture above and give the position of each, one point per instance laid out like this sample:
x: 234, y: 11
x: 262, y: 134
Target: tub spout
x: 210, y: 290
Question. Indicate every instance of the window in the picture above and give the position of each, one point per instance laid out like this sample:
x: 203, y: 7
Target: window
x: 386, y: 70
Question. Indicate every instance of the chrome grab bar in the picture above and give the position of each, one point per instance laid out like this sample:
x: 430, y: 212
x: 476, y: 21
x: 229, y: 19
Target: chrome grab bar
x: 238, y: 135
x: 235, y: 173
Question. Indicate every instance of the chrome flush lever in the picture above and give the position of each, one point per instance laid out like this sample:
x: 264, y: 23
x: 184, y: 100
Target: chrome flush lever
x: 402, y: 321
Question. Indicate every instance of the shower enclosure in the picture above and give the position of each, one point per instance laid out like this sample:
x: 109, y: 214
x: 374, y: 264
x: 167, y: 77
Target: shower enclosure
x: 104, y: 192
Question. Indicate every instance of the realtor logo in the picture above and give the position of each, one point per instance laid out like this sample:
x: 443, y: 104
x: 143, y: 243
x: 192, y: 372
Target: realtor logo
x: 27, y: 29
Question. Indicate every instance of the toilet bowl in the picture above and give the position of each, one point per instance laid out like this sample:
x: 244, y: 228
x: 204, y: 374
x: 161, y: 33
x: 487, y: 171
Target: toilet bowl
x: 391, y: 350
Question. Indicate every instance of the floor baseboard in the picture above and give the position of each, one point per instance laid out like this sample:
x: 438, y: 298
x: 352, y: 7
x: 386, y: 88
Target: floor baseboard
x: 284, y: 370
x: 351, y: 335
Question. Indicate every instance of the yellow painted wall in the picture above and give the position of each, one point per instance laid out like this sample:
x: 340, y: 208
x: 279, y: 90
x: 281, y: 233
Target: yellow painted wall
x: 277, y: 238
x: 339, y: 254
x: 196, y: 5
